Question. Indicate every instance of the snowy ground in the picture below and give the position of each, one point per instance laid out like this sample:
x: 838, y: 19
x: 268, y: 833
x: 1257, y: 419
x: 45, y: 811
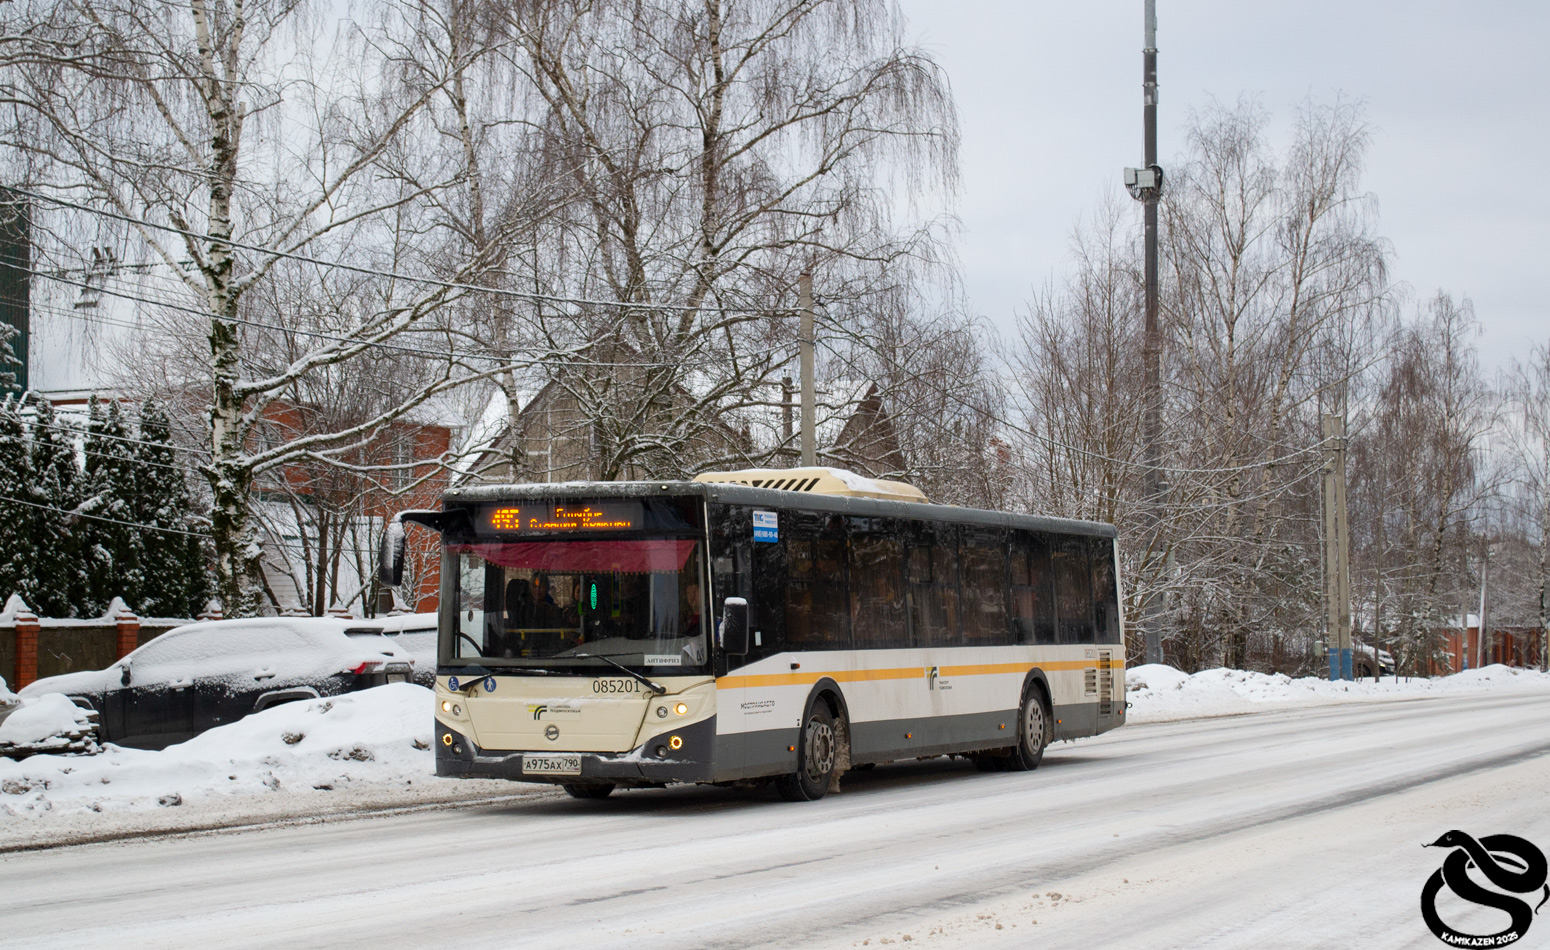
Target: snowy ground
x: 1294, y: 827
x: 362, y: 751
x: 1161, y: 693
x: 370, y: 752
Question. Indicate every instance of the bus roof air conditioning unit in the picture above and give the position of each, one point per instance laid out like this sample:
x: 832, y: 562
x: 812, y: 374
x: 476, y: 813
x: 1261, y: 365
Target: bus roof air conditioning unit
x: 819, y: 481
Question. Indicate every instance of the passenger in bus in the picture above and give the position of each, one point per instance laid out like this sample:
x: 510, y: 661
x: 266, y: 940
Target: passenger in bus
x: 691, y: 610
x: 519, y: 613
x: 570, y: 613
x: 545, y: 612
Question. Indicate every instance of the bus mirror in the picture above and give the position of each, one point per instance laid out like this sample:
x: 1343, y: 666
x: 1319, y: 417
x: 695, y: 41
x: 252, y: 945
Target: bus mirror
x: 391, y: 569
x: 734, y: 626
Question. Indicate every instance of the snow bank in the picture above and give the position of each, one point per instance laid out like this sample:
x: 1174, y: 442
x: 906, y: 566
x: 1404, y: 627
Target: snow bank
x: 6, y: 696
x: 379, y: 737
x: 1158, y: 693
x: 38, y: 720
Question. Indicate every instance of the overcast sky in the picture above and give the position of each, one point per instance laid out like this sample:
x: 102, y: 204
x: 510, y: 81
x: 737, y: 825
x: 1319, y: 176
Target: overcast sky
x: 1049, y: 99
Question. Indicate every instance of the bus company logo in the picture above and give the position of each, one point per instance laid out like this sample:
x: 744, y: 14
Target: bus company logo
x: 1508, y: 862
x: 552, y: 732
x: 553, y: 710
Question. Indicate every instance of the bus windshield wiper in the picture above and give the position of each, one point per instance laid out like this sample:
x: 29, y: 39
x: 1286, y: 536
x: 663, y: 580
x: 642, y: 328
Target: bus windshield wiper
x: 626, y: 671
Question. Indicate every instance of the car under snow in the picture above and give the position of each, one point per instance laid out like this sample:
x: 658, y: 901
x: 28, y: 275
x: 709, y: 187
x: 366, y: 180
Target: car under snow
x: 204, y: 675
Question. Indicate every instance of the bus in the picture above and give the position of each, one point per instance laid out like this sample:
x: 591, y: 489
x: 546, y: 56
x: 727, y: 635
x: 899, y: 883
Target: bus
x: 762, y: 626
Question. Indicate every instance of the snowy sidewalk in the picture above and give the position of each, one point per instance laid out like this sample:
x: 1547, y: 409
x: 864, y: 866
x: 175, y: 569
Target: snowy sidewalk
x: 1160, y: 693
x: 362, y: 752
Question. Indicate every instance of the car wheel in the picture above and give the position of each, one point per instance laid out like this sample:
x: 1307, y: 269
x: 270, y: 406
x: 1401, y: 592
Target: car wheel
x: 1033, y: 721
x: 588, y: 791
x: 815, y: 759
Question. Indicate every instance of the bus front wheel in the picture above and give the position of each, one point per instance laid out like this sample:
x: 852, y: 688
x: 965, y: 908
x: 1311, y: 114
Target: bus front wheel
x: 816, y: 755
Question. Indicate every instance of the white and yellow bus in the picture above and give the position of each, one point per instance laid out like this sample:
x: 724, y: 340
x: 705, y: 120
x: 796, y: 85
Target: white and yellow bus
x: 779, y: 625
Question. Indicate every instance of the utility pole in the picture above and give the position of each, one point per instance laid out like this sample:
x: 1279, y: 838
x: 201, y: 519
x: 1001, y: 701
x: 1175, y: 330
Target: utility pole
x: 809, y: 415
x: 785, y: 417
x: 1337, y: 551
x: 1483, y: 642
x: 1145, y: 185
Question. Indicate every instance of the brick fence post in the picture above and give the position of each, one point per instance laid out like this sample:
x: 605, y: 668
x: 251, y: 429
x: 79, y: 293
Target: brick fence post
x: 128, y: 632
x: 27, y: 628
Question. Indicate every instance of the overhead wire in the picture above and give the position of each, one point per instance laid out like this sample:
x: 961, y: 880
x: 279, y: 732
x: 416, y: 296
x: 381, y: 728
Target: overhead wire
x: 394, y: 275
x: 578, y: 301
x: 1056, y: 443
x: 82, y: 514
x: 542, y: 356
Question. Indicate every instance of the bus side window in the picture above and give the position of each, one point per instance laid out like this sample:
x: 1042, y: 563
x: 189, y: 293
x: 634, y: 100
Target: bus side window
x: 934, y: 598
x: 876, y: 572
x: 982, y: 559
x: 1073, y: 590
x: 799, y: 594
x: 817, y: 617
x: 1032, y: 600
x: 1105, y: 591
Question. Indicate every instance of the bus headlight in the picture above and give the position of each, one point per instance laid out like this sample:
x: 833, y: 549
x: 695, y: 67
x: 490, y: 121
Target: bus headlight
x: 446, y: 706
x: 681, y: 709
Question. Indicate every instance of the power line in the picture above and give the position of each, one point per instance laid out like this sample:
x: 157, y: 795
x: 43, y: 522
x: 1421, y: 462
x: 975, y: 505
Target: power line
x: 72, y: 430
x: 82, y: 514
x: 1055, y: 443
x: 328, y: 337
x: 393, y: 275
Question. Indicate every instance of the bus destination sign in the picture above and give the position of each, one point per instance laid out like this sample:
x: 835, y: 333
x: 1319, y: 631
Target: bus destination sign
x: 568, y: 517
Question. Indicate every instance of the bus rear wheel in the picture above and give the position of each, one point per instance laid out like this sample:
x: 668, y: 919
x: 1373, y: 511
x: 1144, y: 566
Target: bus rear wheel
x: 588, y: 791
x: 1033, y: 732
x: 815, y: 759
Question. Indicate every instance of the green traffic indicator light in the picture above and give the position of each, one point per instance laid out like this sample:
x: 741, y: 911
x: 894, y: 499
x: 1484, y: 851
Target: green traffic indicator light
x: 594, y: 595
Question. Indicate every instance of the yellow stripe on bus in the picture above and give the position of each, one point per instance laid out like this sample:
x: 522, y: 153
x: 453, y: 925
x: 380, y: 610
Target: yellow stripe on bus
x: 898, y: 673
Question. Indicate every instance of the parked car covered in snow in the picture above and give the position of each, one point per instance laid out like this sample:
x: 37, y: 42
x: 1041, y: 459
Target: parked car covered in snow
x: 207, y: 674
x: 1366, y: 663
x: 412, y: 634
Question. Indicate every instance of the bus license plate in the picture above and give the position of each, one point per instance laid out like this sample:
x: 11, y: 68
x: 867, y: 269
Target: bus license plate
x: 551, y: 765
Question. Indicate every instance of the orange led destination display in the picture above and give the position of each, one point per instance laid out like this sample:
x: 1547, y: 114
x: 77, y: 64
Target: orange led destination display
x: 577, y: 516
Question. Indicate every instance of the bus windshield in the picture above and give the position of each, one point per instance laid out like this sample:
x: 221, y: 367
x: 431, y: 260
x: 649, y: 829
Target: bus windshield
x: 559, y: 604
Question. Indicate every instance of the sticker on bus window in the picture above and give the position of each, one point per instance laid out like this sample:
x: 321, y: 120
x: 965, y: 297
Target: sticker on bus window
x: 663, y: 659
x: 765, y: 526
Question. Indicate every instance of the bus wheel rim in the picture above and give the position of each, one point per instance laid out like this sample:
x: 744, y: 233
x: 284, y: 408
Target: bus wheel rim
x: 1033, y: 726
x: 820, y: 749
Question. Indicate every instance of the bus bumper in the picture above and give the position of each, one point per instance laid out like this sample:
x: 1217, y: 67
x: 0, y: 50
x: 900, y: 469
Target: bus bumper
x: 654, y: 762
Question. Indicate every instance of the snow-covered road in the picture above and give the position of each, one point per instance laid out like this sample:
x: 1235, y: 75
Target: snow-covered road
x: 1297, y: 828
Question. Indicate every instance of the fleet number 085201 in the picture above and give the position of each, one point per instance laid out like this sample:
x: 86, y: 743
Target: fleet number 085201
x: 615, y: 686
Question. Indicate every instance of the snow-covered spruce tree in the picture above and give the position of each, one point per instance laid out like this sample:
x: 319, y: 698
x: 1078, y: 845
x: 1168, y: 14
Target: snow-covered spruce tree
x: 8, y: 360
x: 113, y: 544
x: 175, y: 582
x: 59, y: 576
x: 15, y: 488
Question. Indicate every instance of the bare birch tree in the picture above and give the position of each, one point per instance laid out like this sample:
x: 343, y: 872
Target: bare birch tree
x: 216, y: 135
x: 713, y: 151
